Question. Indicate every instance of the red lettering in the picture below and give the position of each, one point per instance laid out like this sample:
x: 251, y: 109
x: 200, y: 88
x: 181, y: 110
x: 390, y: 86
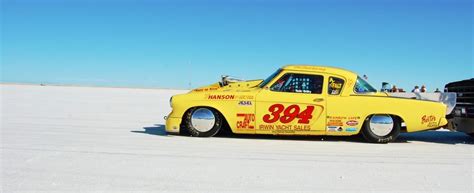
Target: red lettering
x: 289, y: 114
x: 247, y: 122
x: 275, y: 111
x: 221, y: 97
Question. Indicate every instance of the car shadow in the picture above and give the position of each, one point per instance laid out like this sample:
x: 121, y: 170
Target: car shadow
x: 157, y: 129
x: 354, y: 139
x: 441, y: 137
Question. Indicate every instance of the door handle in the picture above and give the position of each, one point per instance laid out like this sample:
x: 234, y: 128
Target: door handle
x: 318, y: 100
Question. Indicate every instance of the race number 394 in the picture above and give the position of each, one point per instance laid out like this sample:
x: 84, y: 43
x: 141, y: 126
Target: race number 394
x: 288, y: 114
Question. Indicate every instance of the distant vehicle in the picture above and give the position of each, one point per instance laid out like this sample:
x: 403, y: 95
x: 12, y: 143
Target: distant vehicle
x: 302, y: 100
x: 462, y: 118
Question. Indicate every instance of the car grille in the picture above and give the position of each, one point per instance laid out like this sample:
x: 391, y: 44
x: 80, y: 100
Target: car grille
x: 470, y: 111
x: 465, y: 95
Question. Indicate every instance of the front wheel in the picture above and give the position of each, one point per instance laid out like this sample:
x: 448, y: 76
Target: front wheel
x: 203, y: 122
x: 381, y: 128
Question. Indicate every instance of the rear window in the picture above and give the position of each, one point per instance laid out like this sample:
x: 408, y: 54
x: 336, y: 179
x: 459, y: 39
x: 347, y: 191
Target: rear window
x: 363, y: 86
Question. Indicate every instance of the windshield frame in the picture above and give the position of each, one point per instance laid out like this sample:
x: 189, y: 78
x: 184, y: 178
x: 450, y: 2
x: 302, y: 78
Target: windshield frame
x: 270, y: 78
x: 360, y: 80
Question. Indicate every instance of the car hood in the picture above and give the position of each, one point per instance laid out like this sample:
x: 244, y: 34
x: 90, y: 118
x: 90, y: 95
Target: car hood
x: 243, y: 86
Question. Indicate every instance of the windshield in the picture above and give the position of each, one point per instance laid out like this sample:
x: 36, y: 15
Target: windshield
x: 270, y: 78
x: 363, y: 86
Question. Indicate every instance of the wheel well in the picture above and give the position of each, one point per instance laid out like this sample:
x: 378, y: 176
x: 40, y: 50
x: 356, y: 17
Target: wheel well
x: 400, y: 119
x: 403, y: 127
x: 225, y: 124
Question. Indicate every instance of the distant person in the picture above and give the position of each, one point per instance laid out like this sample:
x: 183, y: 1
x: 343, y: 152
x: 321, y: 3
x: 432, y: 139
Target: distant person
x: 437, y: 90
x: 365, y: 77
x: 394, y: 89
x: 423, y: 88
x: 416, y: 89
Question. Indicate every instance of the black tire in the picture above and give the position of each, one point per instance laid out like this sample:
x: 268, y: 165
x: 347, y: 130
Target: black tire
x: 471, y: 134
x: 371, y: 137
x: 195, y: 132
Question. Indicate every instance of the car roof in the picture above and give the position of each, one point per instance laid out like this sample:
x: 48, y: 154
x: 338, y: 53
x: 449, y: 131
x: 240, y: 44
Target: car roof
x: 318, y: 68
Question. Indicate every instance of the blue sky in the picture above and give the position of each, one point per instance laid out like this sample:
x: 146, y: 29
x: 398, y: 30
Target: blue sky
x: 182, y: 44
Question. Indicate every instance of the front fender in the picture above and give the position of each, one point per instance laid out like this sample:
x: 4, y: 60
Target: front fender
x: 230, y: 105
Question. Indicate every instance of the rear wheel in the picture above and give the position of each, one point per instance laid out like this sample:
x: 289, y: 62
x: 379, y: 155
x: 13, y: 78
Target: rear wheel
x: 203, y: 122
x: 381, y: 128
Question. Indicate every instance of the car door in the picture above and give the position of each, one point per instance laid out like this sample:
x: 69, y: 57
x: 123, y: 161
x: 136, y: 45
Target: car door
x: 294, y: 103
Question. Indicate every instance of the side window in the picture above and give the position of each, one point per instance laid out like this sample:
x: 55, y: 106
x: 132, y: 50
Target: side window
x: 299, y: 83
x: 335, y: 85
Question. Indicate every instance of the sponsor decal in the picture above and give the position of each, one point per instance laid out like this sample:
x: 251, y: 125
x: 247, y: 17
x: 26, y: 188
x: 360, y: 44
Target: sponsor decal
x: 427, y: 119
x: 279, y: 112
x: 245, y: 103
x: 334, y: 85
x: 335, y: 123
x: 352, y: 122
x: 245, y: 97
x: 247, y: 121
x: 351, y: 129
x: 285, y: 128
x: 340, y: 120
x: 344, y: 117
x: 221, y: 97
x: 204, y: 89
x: 336, y: 117
x: 334, y: 129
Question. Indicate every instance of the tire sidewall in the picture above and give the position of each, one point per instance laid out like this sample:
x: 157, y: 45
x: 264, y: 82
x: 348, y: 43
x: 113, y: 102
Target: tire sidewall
x: 215, y: 129
x: 371, y: 137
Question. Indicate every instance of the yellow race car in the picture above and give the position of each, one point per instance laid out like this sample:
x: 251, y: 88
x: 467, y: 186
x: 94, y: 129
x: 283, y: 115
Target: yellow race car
x: 302, y: 100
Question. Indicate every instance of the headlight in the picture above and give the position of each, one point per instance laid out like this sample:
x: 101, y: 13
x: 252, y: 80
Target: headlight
x: 171, y: 101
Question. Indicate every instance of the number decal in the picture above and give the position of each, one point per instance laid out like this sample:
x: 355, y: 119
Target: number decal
x: 275, y: 109
x: 306, y: 115
x: 289, y: 114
